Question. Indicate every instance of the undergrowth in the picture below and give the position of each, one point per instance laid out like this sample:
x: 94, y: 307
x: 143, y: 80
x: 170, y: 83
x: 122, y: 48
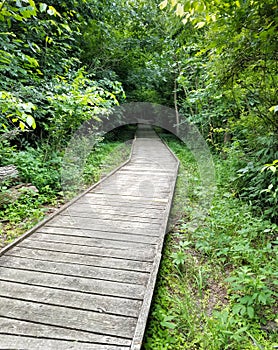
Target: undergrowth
x: 38, y: 190
x: 217, y: 286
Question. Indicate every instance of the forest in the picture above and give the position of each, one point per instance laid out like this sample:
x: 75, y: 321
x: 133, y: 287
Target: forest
x: 215, y: 64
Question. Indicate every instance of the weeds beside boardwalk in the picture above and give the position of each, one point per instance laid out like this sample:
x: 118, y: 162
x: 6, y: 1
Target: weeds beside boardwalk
x: 217, y: 287
x: 42, y: 168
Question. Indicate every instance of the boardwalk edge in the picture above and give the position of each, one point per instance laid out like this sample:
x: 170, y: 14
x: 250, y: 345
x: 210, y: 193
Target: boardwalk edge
x: 144, y: 314
x: 65, y: 206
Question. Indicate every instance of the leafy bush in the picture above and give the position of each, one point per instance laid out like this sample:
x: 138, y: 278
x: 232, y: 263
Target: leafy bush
x: 74, y: 101
x: 258, y: 185
x: 16, y: 112
x: 41, y: 167
x: 6, y: 149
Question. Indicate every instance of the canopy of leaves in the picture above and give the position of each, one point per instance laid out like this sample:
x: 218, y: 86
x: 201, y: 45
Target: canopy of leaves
x: 215, y: 61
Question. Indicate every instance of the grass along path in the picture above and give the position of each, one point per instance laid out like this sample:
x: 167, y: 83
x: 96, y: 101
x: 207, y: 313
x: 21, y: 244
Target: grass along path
x: 217, y: 286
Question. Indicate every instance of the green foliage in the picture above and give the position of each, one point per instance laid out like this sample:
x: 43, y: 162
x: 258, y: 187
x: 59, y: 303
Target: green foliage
x: 195, y: 12
x: 16, y: 112
x: 179, y: 256
x: 27, y: 209
x: 46, y: 93
x: 74, y: 101
x: 250, y: 292
x: 41, y: 80
x: 219, y: 289
x: 41, y: 167
x: 225, y: 55
x: 126, y: 40
x: 259, y: 185
x: 104, y: 158
x: 6, y: 150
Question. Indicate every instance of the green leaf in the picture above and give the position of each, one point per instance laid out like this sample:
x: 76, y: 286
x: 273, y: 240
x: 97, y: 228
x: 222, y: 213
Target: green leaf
x: 243, y: 310
x: 169, y: 325
x: 30, y: 121
x: 250, y: 311
x: 200, y: 25
x: 262, y: 298
x: 52, y: 11
x: 163, y: 4
x: 28, y: 107
x: 21, y: 125
x: 32, y: 3
x: 43, y: 7
x: 67, y: 27
x: 48, y: 40
x: 213, y: 17
x: 241, y: 330
x: 166, y: 322
x: 180, y: 10
x: 273, y: 109
x: 246, y: 299
x: 237, y: 308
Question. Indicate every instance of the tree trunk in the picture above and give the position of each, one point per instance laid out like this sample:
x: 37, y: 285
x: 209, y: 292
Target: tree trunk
x: 176, y: 106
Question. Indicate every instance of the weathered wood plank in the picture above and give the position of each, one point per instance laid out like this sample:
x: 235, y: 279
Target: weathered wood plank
x: 143, y: 188
x: 130, y: 200
x: 73, y: 299
x: 132, y: 181
x: 117, y: 264
x: 75, y: 270
x: 121, y: 202
x: 123, y: 206
x: 103, y: 323
x: 80, y: 284
x: 90, y: 213
x: 112, y: 226
x: 65, y: 218
x: 91, y: 242
x: 30, y: 343
x: 122, y: 180
x: 126, y: 173
x: 122, y: 224
x: 147, y: 194
x: 144, y: 198
x: 121, y: 211
x: 104, y: 235
x: 143, y: 254
x: 150, y: 172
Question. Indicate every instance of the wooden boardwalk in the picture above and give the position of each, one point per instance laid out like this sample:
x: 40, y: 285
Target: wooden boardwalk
x: 84, y: 278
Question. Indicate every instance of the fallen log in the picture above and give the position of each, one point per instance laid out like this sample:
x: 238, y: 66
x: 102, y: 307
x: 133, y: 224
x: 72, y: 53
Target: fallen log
x: 8, y: 172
